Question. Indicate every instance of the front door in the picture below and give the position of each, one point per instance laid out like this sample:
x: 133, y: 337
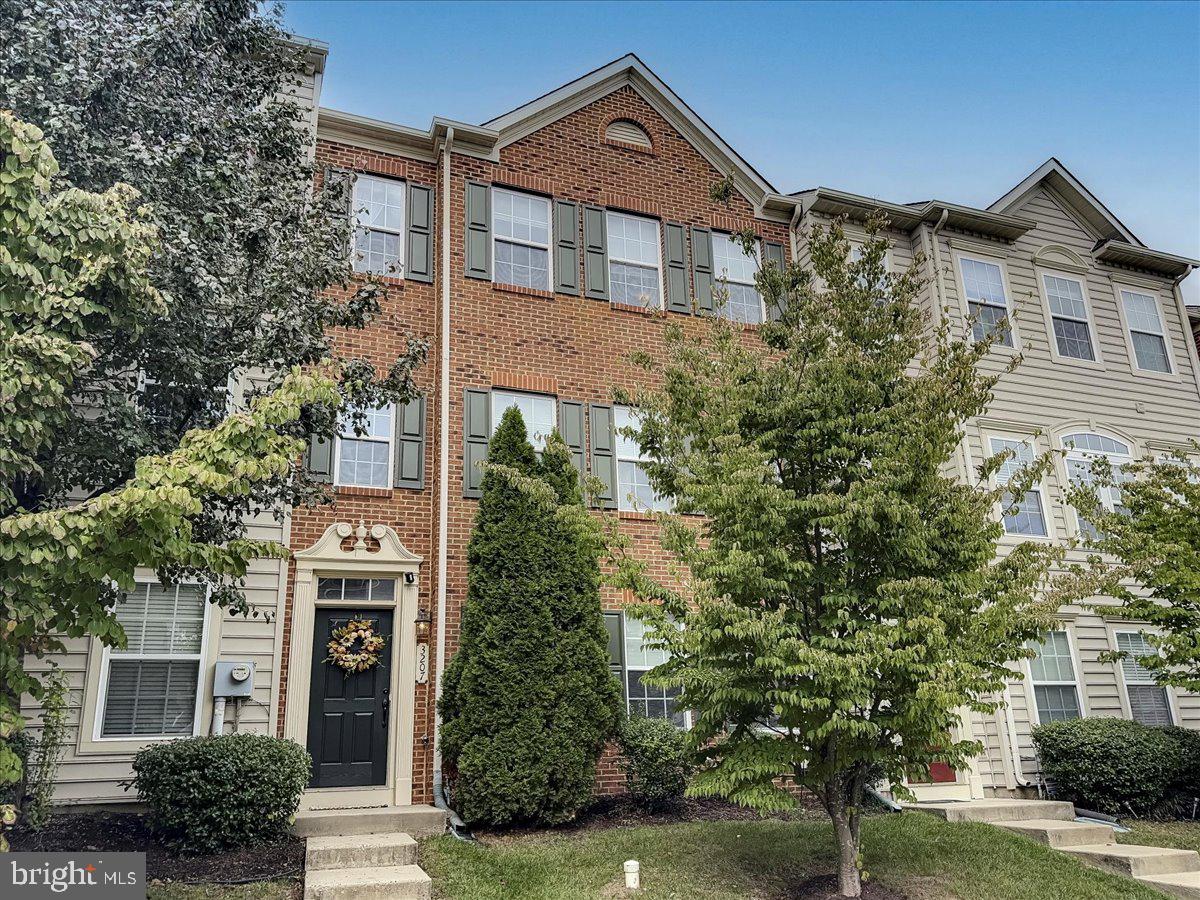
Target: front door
x: 348, y: 712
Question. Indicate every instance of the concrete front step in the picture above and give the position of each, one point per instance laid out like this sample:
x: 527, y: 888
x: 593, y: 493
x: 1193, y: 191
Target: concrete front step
x: 997, y: 810
x: 1059, y: 834
x: 368, y: 883
x: 1136, y: 860
x: 409, y: 819
x: 348, y: 851
x: 1182, y: 884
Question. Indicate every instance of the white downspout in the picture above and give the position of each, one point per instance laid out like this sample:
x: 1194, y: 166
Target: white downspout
x: 793, y: 227
x: 439, y: 796
x: 1193, y: 353
x: 1014, y: 748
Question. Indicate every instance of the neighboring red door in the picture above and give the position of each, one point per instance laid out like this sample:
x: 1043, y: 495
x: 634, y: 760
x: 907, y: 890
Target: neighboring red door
x: 941, y: 773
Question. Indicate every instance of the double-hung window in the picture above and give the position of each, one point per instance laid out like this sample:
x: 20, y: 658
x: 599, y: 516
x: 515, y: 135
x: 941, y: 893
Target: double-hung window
x: 537, y: 410
x: 1146, y: 332
x: 736, y: 269
x: 365, y: 459
x: 856, y: 252
x: 634, y: 260
x: 378, y: 225
x: 983, y: 283
x: 1083, y: 448
x: 152, y: 687
x: 521, y: 239
x: 631, y: 661
x: 1055, y: 688
x: 634, y: 491
x: 1148, y: 702
x: 1026, y: 515
x: 1069, y: 317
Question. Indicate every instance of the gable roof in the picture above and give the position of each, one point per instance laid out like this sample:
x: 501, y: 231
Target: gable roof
x: 630, y: 71
x: 1082, y: 201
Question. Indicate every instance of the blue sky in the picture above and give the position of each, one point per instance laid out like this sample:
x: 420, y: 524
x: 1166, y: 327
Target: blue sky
x: 899, y: 101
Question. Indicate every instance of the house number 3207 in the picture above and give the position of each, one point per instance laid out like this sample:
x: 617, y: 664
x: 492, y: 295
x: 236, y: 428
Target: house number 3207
x: 422, y: 663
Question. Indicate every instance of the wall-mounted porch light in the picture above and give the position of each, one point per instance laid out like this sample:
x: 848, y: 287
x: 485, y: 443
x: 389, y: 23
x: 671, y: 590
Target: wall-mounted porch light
x: 423, y: 620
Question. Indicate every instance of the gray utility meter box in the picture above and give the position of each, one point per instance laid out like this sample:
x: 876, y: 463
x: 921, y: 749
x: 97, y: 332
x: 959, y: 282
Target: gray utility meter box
x: 233, y: 679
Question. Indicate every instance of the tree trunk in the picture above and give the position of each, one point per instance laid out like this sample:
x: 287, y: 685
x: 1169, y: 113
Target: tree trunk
x: 845, y: 830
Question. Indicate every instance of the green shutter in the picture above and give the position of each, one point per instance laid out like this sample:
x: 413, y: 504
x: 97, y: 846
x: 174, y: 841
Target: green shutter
x: 409, y: 470
x: 773, y: 254
x: 702, y: 268
x: 677, y: 276
x: 570, y: 424
x: 595, y: 253
x: 418, y: 260
x: 616, y: 640
x: 478, y: 238
x: 476, y: 431
x: 604, y: 457
x: 319, y: 458
x: 566, y: 247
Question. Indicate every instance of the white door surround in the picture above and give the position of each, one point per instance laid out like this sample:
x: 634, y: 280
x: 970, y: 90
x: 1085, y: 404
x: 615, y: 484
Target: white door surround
x: 374, y: 552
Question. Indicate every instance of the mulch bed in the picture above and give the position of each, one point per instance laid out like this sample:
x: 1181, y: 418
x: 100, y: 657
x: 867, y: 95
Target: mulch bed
x: 122, y: 832
x: 618, y: 812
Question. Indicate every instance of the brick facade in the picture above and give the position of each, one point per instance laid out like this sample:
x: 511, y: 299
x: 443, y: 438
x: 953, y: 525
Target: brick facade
x: 517, y: 338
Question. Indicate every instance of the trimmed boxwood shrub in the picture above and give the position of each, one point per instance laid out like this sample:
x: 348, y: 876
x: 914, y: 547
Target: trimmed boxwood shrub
x: 1185, y: 786
x: 1111, y: 765
x: 211, y: 793
x: 655, y: 760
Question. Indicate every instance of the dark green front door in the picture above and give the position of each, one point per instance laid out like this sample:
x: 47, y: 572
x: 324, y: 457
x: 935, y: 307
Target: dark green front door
x: 348, y: 712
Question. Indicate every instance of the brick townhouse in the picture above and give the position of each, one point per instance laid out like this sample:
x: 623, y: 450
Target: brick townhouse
x: 534, y: 252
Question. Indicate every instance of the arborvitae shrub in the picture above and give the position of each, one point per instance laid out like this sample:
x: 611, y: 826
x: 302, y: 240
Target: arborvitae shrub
x: 528, y: 700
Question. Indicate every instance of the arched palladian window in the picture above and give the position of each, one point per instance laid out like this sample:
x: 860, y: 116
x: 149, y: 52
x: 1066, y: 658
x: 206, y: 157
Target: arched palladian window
x: 1083, y: 449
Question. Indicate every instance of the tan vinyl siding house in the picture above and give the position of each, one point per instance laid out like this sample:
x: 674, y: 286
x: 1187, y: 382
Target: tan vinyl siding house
x: 1088, y: 380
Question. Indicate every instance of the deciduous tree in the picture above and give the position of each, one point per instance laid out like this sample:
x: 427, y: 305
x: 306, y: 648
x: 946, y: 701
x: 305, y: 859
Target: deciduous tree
x: 844, y: 605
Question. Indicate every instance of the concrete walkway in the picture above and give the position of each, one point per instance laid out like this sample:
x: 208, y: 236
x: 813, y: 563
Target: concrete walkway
x: 1052, y: 822
x: 366, y: 854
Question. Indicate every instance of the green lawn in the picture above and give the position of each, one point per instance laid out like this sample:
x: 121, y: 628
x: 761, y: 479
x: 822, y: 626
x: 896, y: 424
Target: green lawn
x: 283, y: 889
x: 1181, y: 835
x: 915, y: 854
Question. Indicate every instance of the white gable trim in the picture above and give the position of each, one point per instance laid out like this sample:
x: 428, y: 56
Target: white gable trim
x: 631, y: 71
x: 1077, y: 197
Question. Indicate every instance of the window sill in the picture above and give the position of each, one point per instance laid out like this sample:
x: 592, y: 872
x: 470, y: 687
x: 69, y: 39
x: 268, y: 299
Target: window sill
x: 638, y: 310
x: 522, y: 290
x: 622, y: 145
x: 392, y: 281
x: 1167, y: 377
x: 350, y: 490
x: 1093, y: 365
x: 635, y: 515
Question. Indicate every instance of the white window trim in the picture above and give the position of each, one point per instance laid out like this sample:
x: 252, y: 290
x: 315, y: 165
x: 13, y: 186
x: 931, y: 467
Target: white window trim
x: 391, y: 458
x: 858, y: 241
x: 1123, y: 688
x: 1039, y: 487
x: 960, y: 252
x: 1127, y: 333
x: 662, y: 288
x: 1041, y: 272
x: 622, y: 617
x: 401, y: 260
x: 492, y: 392
x: 1035, y: 716
x: 718, y: 278
x: 202, y: 681
x: 624, y: 504
x: 549, y: 246
x: 1068, y: 452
